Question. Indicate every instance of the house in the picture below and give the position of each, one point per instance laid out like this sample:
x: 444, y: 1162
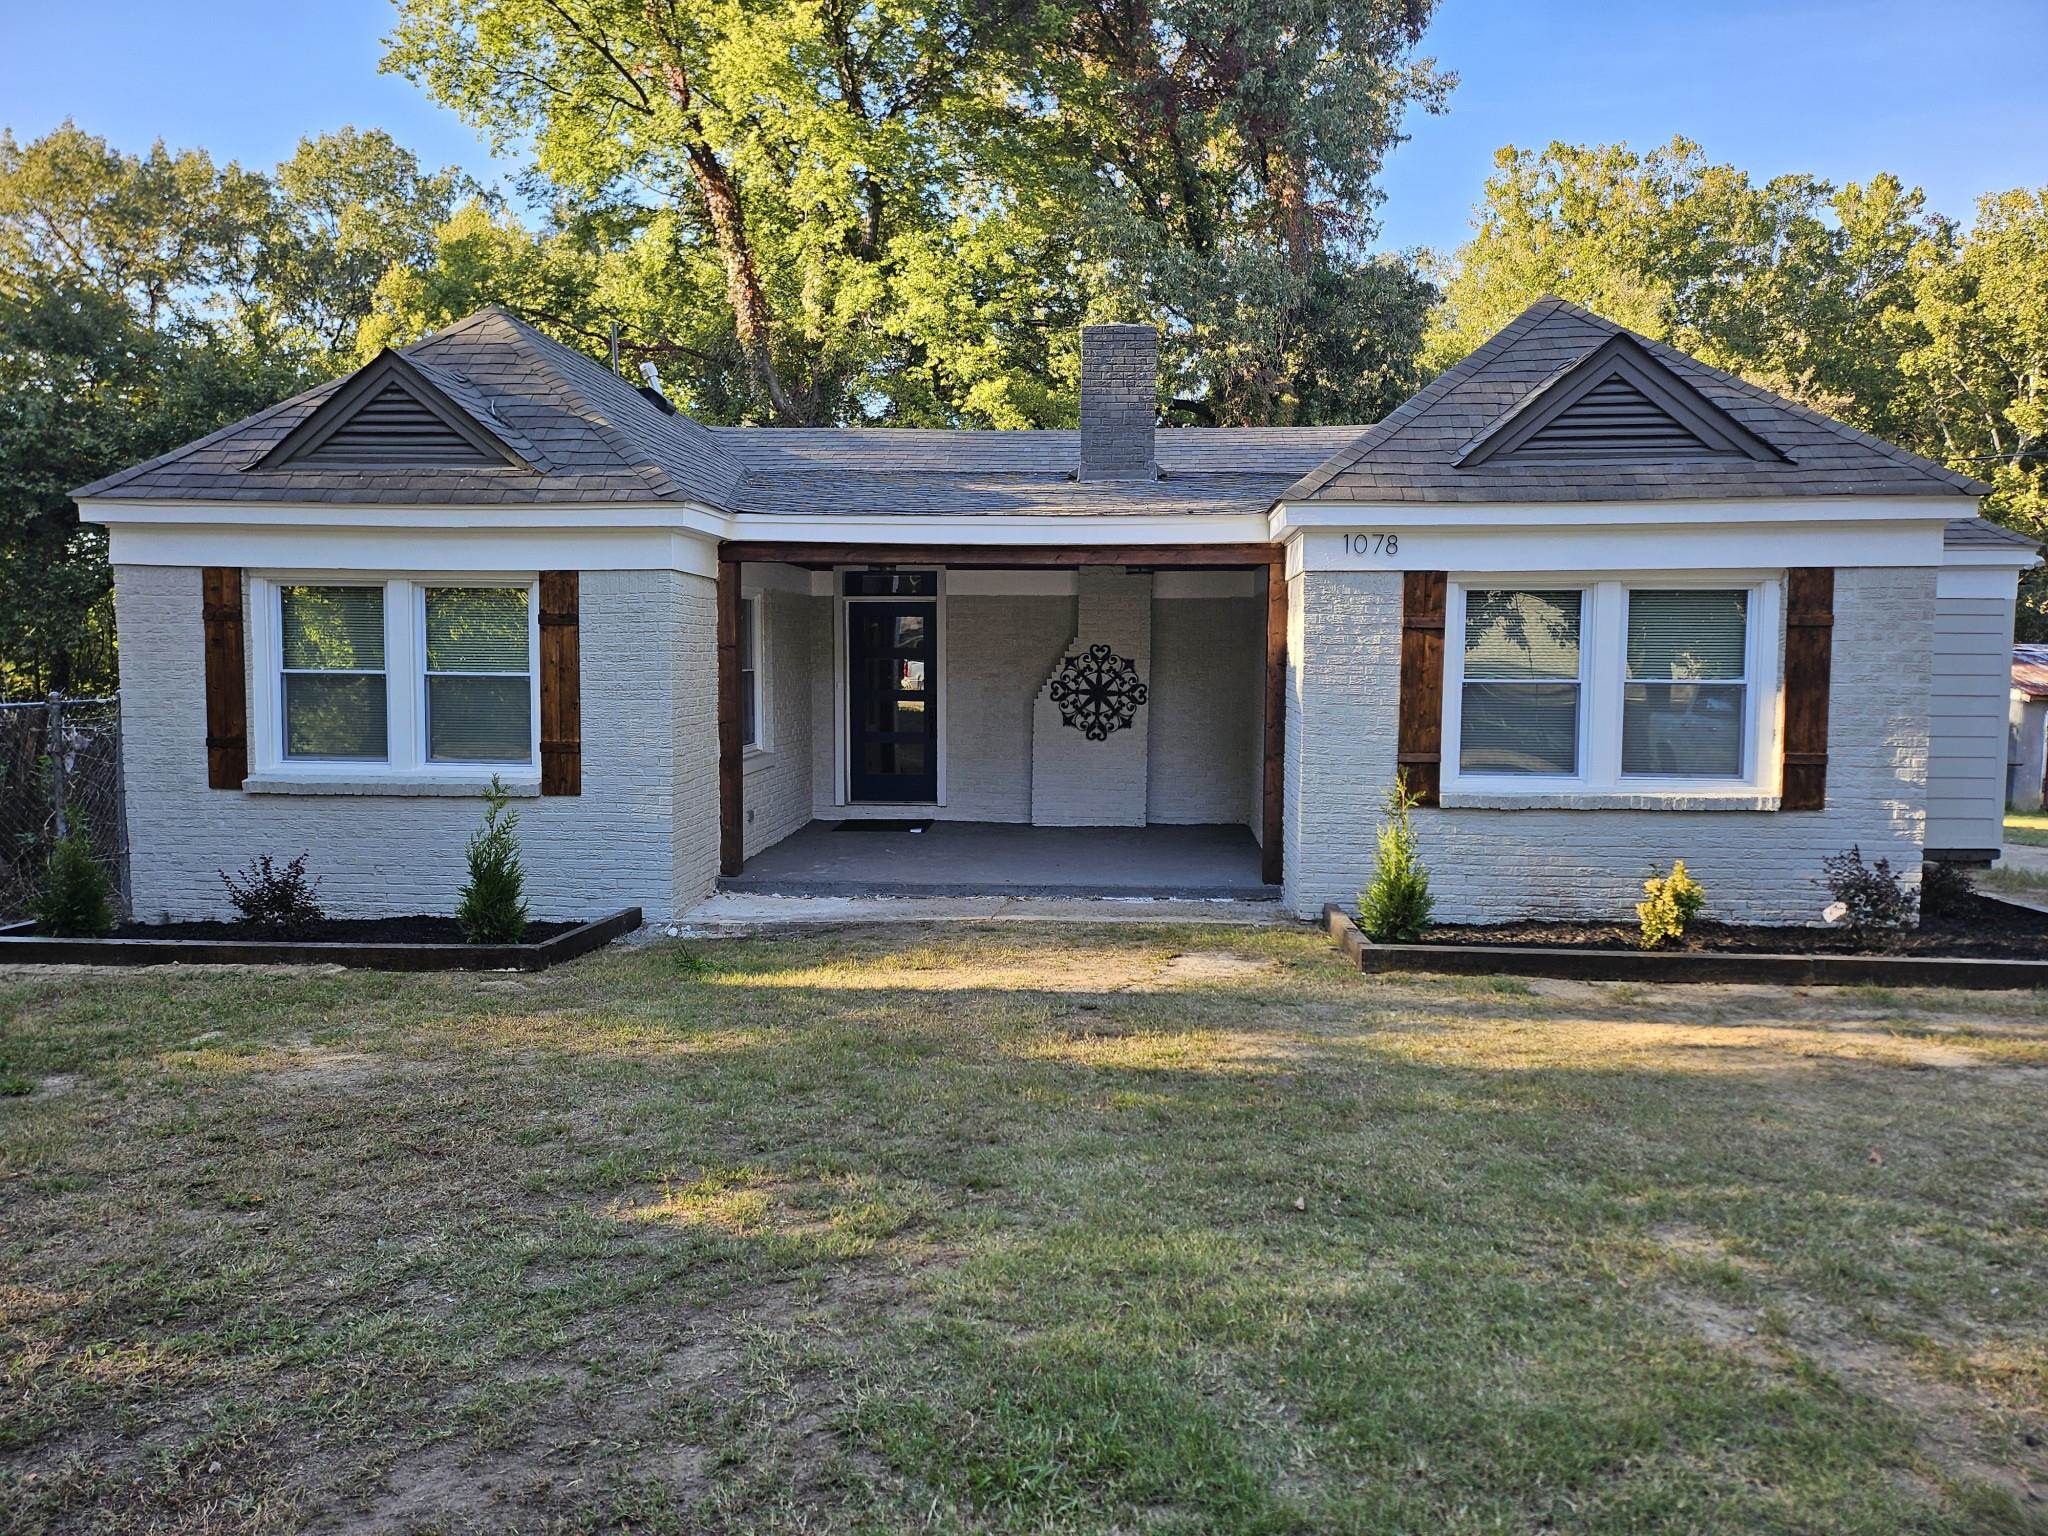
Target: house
x: 2027, y: 743
x: 1603, y: 605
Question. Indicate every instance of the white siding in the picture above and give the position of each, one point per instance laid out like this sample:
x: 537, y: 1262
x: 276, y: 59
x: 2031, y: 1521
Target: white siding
x: 1967, y: 722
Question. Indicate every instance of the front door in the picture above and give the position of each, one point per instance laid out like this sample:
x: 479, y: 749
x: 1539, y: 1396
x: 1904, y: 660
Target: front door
x: 892, y: 663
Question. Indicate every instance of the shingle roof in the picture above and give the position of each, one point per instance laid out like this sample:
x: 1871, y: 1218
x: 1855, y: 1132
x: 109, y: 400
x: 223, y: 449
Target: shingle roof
x: 1412, y: 454
x: 2030, y: 670
x: 590, y: 436
x: 829, y: 472
x: 1979, y: 533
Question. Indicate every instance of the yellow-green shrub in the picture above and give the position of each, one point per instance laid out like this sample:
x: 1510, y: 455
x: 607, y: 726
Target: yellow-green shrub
x: 1674, y: 900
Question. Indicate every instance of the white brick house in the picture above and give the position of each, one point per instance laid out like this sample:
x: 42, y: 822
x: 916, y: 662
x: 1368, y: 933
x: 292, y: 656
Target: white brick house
x: 1606, y: 606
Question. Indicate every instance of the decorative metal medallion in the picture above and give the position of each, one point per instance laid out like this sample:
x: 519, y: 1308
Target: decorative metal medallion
x: 1097, y: 691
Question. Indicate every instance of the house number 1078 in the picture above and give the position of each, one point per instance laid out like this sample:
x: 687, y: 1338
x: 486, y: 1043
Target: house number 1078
x: 1372, y: 543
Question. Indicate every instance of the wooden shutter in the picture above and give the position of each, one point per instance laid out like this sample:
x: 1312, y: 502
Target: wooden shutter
x: 1809, y: 650
x: 227, y: 705
x: 1419, y: 747
x: 561, y: 685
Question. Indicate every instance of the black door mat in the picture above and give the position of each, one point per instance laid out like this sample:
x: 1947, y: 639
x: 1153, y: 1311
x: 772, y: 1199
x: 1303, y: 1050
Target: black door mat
x: 881, y: 824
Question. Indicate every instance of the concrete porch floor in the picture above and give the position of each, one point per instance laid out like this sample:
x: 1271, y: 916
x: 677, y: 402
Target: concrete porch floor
x: 978, y: 858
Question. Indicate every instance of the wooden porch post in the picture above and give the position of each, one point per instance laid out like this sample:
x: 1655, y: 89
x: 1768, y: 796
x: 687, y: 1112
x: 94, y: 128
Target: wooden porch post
x: 1272, y: 806
x: 732, y: 782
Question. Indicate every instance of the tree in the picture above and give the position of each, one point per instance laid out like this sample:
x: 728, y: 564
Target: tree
x: 1794, y: 283
x: 1978, y: 374
x: 893, y: 209
x: 346, y: 209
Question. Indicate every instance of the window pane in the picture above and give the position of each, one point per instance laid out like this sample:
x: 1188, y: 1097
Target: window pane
x: 333, y: 716
x: 476, y: 629
x: 479, y: 720
x: 1691, y: 730
x: 746, y: 634
x: 750, y: 728
x: 333, y: 629
x: 1522, y: 635
x: 1519, y: 728
x: 1683, y: 635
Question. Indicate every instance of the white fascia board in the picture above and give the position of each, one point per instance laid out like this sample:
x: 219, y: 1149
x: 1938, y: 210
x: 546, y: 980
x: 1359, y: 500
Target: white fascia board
x: 596, y: 516
x: 1706, y: 547
x: 420, y: 550
x: 1289, y: 518
x: 1999, y: 581
x: 2011, y: 557
x: 975, y: 529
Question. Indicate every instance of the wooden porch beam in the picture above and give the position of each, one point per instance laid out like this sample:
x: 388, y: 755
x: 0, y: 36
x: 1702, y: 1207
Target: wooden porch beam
x: 968, y: 557
x: 1272, y: 803
x: 732, y: 780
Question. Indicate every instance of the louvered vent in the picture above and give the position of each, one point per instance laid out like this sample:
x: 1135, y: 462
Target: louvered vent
x: 1612, y: 420
x: 392, y: 427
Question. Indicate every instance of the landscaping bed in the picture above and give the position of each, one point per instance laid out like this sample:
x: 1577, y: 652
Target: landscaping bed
x: 1974, y: 941
x: 418, y: 943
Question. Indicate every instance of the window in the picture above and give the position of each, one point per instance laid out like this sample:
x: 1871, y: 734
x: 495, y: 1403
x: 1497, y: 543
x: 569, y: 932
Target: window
x: 1686, y: 691
x: 414, y: 676
x: 331, y: 661
x: 750, y: 677
x: 1520, y: 702
x: 1619, y: 687
x: 479, y: 698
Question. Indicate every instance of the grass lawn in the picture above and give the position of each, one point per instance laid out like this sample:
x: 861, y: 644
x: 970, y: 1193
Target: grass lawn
x: 1015, y: 1229
x: 2027, y: 827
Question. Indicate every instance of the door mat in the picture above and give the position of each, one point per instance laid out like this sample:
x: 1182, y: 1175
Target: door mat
x: 880, y: 824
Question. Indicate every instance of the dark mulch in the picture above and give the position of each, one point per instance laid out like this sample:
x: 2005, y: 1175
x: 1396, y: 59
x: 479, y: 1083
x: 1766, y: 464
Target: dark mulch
x: 418, y: 929
x: 1971, y: 928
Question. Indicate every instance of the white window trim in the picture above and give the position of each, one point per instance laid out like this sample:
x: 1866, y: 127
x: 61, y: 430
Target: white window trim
x: 405, y: 682
x: 757, y: 627
x: 1603, y: 658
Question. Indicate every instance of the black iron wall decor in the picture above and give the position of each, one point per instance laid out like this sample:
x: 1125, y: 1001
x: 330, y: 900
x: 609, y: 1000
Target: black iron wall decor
x: 1097, y: 691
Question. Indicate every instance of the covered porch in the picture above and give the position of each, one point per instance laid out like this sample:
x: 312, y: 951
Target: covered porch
x: 1057, y: 721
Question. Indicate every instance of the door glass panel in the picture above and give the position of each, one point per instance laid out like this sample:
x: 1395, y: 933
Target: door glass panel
x: 910, y: 632
x: 910, y: 676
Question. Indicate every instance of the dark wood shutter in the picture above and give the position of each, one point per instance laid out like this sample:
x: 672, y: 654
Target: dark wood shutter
x: 1809, y: 653
x: 1418, y: 749
x: 227, y: 704
x: 561, y: 685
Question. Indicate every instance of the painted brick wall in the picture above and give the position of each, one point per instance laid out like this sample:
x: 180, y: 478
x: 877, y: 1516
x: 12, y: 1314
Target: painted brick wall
x: 1343, y: 680
x: 643, y: 831
x: 1205, y: 708
x: 1076, y: 782
x: 779, y: 777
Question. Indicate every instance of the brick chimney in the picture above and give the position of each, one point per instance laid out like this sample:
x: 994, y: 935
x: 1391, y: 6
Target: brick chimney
x: 1119, y: 401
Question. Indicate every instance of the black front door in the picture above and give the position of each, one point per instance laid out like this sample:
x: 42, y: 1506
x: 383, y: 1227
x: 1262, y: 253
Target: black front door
x: 892, y: 663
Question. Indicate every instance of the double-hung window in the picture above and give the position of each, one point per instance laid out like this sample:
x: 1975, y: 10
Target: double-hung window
x: 1520, y: 706
x: 478, y: 675
x: 331, y: 674
x: 1686, y: 691
x: 750, y: 675
x: 395, y: 675
x: 1615, y: 685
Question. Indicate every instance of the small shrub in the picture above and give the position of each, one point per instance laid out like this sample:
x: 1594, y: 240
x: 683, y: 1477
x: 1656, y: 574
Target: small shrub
x: 492, y: 909
x: 1395, y: 908
x: 73, y: 903
x: 1944, y: 888
x: 1875, y: 903
x: 272, y: 900
x: 1674, y: 901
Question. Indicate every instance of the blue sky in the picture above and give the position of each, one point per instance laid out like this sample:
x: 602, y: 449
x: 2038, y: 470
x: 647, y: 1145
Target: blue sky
x: 1947, y: 96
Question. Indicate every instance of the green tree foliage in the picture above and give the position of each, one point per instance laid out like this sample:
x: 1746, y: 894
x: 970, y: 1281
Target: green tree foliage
x: 900, y: 211
x: 1395, y: 908
x: 1855, y: 299
x: 492, y: 906
x: 74, y: 902
x: 144, y: 301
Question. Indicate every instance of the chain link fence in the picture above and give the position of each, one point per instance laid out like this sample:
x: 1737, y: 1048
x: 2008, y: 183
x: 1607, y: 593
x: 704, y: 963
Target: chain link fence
x: 60, y: 771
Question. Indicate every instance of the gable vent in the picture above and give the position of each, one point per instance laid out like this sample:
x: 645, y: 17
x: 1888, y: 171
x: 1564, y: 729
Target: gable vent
x: 1612, y: 420
x: 395, y: 427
